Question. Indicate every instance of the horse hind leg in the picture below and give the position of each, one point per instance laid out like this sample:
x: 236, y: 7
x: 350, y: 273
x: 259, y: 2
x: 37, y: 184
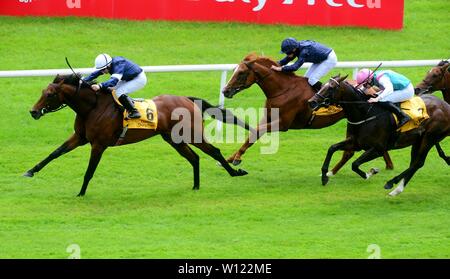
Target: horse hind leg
x: 419, y: 153
x: 184, y: 150
x: 442, y: 154
x: 215, y: 153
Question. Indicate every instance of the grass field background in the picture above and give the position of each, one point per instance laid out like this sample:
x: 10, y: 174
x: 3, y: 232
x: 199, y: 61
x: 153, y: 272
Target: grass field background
x: 140, y: 203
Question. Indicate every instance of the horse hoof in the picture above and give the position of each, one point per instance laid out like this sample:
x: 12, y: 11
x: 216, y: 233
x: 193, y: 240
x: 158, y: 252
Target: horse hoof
x: 388, y: 186
x: 325, y: 180
x: 374, y: 171
x: 241, y: 172
x: 28, y: 174
x: 80, y: 195
x: 196, y: 188
x: 236, y: 162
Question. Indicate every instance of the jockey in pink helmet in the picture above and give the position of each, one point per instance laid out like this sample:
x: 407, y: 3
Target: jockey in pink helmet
x: 395, y: 88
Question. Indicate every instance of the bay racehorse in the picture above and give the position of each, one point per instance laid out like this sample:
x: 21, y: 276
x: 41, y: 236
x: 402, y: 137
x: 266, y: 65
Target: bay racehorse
x: 99, y: 122
x: 437, y: 79
x: 373, y: 130
x: 289, y: 93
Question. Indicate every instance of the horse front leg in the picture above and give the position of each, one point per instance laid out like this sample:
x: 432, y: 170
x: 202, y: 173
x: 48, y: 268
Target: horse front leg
x: 73, y: 142
x: 347, y: 146
x: 96, y: 155
x: 367, y: 156
x: 262, y: 128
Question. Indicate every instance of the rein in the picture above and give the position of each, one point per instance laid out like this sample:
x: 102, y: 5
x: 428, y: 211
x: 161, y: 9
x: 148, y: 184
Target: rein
x: 260, y: 79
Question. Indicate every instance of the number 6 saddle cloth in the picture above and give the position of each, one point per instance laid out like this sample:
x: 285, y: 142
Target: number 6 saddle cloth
x: 148, y: 111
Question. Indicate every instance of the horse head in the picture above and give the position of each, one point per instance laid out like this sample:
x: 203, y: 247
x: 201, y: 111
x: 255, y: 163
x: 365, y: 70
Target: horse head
x: 50, y: 100
x: 435, y: 79
x: 329, y: 93
x: 53, y: 96
x: 252, y: 69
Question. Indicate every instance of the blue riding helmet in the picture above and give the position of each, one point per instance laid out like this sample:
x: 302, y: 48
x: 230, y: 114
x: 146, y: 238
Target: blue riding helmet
x: 288, y: 45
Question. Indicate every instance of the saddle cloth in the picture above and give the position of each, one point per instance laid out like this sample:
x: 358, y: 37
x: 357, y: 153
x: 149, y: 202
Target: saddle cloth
x: 148, y: 111
x: 417, y: 110
x: 330, y: 110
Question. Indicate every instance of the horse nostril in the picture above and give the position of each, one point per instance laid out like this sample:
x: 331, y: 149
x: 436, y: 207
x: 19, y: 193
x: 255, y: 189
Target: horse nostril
x: 35, y: 114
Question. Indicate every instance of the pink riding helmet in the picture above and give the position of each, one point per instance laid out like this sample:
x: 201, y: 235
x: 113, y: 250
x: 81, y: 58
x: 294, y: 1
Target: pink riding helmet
x: 363, y: 75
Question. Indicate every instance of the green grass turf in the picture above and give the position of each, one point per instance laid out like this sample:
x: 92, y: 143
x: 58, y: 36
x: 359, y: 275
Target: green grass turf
x: 140, y: 203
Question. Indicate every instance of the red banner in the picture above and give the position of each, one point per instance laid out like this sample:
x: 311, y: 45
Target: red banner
x: 385, y: 14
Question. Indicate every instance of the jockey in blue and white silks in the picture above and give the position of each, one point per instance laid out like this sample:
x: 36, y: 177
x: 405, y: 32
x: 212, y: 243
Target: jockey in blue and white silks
x: 126, y: 77
x: 323, y: 59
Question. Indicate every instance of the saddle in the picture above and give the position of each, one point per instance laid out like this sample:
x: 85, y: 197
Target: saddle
x: 148, y: 111
x: 416, y: 109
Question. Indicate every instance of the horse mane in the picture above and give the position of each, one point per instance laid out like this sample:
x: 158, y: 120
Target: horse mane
x: 265, y: 61
x: 443, y: 62
x: 357, y: 92
x: 71, y: 79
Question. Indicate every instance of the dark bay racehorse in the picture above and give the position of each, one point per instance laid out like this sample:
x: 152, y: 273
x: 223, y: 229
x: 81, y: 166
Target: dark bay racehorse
x: 289, y: 93
x: 437, y: 79
x: 374, y: 130
x: 99, y: 122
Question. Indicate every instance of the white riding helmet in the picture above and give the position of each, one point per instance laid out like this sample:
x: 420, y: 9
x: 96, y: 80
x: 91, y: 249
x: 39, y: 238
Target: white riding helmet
x: 102, y: 61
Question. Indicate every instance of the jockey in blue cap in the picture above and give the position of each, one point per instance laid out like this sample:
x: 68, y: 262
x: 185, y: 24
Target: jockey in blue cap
x: 126, y: 77
x: 323, y: 59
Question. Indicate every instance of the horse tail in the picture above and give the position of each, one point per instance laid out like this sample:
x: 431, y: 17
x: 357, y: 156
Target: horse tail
x: 227, y: 115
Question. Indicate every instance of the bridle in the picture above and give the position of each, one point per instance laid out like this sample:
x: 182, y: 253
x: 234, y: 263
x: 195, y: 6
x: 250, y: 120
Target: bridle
x: 326, y: 102
x: 47, y: 109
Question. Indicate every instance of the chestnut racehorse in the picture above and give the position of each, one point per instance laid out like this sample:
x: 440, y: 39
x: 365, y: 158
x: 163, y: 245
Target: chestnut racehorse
x: 99, y: 122
x: 289, y: 93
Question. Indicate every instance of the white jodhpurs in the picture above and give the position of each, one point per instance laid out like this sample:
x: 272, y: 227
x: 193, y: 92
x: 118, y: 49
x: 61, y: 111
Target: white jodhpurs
x: 317, y: 71
x: 400, y: 95
x: 127, y: 87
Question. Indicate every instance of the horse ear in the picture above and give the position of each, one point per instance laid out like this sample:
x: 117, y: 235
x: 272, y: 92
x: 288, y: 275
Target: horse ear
x: 446, y: 67
x: 343, y: 78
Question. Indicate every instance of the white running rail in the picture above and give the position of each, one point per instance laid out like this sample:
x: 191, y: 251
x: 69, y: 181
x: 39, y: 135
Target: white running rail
x: 224, y: 68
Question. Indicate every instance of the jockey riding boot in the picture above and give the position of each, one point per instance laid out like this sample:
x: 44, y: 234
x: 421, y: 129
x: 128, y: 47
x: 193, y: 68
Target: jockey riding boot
x: 127, y: 103
x: 401, y: 116
x: 317, y: 86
